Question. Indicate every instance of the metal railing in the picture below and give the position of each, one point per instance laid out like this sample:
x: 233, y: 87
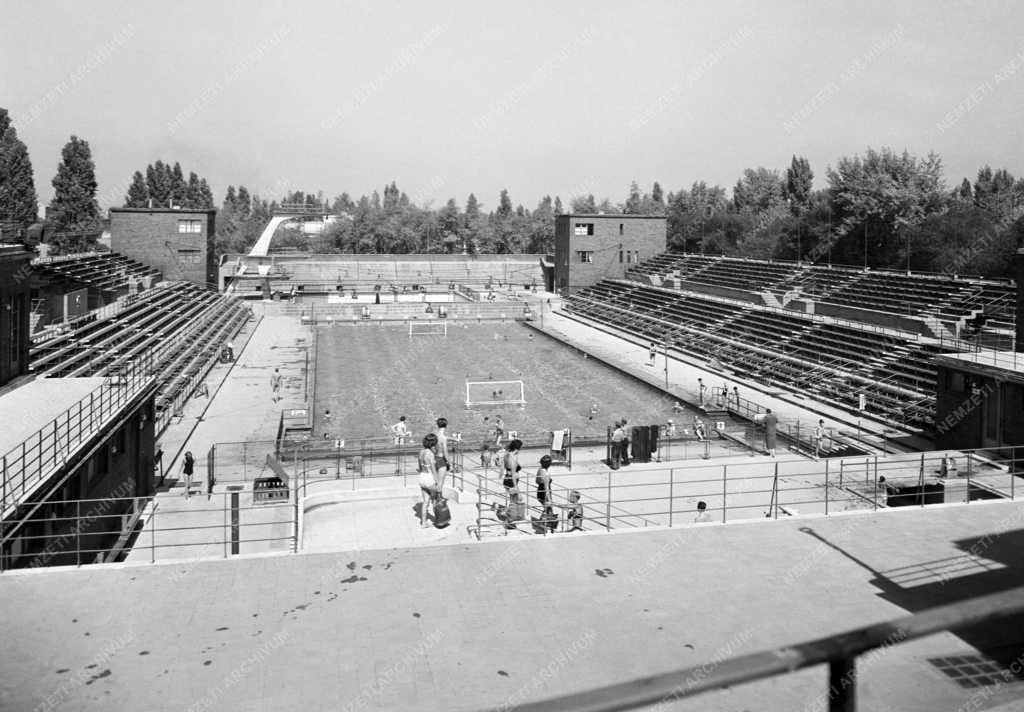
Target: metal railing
x: 92, y: 531
x: 595, y: 515
x: 839, y: 652
x: 668, y: 496
x: 319, y: 459
x: 35, y: 457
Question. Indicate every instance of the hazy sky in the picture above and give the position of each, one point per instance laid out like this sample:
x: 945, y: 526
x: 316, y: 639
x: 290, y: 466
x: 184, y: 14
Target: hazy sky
x: 539, y: 97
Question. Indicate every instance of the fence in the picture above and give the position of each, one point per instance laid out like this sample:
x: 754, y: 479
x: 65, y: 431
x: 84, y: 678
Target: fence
x: 635, y: 497
x: 34, y: 458
x: 93, y: 531
x: 320, y: 459
x: 229, y: 522
x: 799, y: 434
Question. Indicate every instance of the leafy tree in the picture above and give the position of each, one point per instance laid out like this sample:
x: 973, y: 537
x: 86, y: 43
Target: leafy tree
x: 583, y: 204
x: 504, y: 204
x: 877, y: 196
x: 542, y: 227
x: 799, y: 183
x: 656, y: 194
x: 205, y: 195
x: 18, y: 200
x: 964, y: 194
x: 758, y: 190
x: 179, y: 188
x: 448, y: 219
x: 138, y: 192
x: 343, y: 204
x: 243, y: 203
x: 634, y: 202
x: 74, y: 201
x: 997, y: 191
x: 158, y: 182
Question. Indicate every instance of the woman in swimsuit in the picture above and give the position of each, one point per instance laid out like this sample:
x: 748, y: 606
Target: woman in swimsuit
x: 428, y: 475
x: 512, y: 467
x: 544, y: 480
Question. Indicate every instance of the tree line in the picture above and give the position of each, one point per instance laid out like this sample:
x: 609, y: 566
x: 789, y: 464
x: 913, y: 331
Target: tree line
x: 879, y: 209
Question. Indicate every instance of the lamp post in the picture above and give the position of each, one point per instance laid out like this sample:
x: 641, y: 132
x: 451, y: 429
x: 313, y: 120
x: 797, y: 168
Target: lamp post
x: 907, y: 233
x: 865, y: 242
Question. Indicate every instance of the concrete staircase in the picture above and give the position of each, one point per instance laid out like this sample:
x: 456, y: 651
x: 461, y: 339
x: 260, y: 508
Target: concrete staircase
x: 938, y: 328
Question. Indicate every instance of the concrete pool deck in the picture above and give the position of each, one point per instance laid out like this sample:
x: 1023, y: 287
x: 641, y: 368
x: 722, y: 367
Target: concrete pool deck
x: 494, y: 624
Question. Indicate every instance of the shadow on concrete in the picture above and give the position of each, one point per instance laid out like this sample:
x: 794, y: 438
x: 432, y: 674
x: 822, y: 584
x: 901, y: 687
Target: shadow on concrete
x: 990, y: 564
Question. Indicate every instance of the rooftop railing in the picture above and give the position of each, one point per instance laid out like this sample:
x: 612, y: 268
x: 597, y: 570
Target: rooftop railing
x: 31, y: 461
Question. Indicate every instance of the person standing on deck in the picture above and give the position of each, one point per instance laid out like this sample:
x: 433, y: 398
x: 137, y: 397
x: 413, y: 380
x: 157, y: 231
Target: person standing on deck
x: 771, y: 424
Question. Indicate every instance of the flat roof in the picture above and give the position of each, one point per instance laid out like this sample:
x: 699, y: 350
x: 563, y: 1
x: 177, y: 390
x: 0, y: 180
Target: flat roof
x: 164, y: 210
x: 1004, y: 364
x: 27, y: 409
x: 610, y: 216
x: 12, y: 250
x: 476, y: 626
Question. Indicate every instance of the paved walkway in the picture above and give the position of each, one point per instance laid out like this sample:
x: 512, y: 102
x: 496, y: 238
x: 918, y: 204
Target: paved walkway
x: 494, y: 624
x: 239, y: 407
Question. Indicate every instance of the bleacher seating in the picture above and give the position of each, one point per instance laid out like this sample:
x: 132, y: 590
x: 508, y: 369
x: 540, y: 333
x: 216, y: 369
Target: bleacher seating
x: 179, y: 326
x: 319, y: 274
x: 943, y: 297
x: 105, y: 271
x: 831, y: 361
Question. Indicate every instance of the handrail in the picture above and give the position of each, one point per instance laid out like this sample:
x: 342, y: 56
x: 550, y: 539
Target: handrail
x: 27, y: 462
x: 838, y: 651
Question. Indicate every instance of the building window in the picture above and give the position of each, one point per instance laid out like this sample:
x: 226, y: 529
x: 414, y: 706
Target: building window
x: 190, y: 226
x: 584, y: 229
x: 620, y: 228
x: 586, y: 255
x: 620, y: 257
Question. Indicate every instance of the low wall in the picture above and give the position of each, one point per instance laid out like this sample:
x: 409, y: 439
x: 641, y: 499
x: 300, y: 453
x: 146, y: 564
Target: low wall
x: 715, y: 290
x: 865, y: 316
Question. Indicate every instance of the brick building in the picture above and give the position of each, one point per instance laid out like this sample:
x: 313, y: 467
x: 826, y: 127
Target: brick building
x: 589, y: 248
x: 177, y: 241
x: 15, y: 307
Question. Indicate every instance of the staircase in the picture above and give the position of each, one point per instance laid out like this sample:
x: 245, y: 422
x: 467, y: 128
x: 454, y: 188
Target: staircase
x: 770, y: 299
x: 938, y: 327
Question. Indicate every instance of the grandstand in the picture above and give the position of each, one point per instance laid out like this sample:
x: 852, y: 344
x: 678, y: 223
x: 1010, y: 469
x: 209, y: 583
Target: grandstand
x: 248, y: 276
x: 861, y: 295
x: 104, y: 277
x: 179, y: 326
x: 807, y: 354
x: 103, y: 271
